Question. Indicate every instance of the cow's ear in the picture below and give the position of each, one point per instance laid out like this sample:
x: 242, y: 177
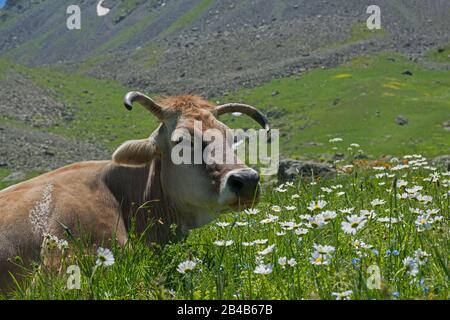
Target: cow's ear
x: 135, y: 153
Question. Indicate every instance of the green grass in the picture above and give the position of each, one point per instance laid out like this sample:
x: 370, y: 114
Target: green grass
x: 358, y: 102
x: 125, y: 34
x: 4, y: 172
x: 188, y: 17
x: 127, y: 6
x: 148, y: 56
x: 440, y: 54
x: 100, y: 115
x: 229, y: 272
x: 360, y: 32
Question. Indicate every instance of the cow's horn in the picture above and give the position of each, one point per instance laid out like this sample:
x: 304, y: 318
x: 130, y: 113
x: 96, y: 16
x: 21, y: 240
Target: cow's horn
x: 252, y: 112
x: 145, y: 101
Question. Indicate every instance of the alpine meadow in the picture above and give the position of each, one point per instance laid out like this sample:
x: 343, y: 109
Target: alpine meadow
x: 359, y: 207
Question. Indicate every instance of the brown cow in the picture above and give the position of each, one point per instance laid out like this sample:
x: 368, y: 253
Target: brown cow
x: 141, y: 182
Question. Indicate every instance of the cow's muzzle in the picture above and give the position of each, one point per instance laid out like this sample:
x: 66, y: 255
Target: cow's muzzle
x: 244, y: 183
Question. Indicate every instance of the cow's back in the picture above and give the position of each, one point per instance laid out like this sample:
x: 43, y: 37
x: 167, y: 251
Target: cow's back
x: 72, y: 196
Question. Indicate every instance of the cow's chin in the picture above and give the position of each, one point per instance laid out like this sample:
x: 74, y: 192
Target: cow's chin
x: 230, y: 200
x: 237, y: 204
x: 240, y: 206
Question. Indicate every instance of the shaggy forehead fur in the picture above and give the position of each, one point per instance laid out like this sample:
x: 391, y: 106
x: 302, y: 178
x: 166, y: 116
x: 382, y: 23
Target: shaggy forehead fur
x: 185, y: 104
x: 189, y: 108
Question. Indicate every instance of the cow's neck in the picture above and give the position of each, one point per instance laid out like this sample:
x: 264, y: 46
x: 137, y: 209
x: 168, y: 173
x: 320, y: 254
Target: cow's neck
x: 143, y: 202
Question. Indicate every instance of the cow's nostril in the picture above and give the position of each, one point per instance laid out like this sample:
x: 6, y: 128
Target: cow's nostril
x: 244, y: 183
x: 236, y: 183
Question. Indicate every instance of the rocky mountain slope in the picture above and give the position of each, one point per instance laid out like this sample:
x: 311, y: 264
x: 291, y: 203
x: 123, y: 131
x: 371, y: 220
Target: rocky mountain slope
x: 210, y: 47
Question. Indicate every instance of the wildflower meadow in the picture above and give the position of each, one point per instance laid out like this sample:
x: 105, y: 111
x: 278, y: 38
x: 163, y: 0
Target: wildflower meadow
x: 372, y: 232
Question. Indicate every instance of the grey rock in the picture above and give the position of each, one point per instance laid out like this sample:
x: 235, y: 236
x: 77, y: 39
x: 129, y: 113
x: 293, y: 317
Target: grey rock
x: 291, y: 169
x: 338, y: 156
x: 446, y: 125
x: 15, y: 176
x: 361, y: 156
x: 401, y: 121
x: 443, y: 160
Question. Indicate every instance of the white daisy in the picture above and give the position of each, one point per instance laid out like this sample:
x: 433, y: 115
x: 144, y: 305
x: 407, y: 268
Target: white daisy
x: 342, y: 295
x: 353, y: 224
x: 276, y: 208
x: 377, y: 202
x: 261, y: 241
x: 421, y: 257
x: 414, y: 190
x: 280, y: 189
x: 347, y: 210
x: 105, y: 257
x: 288, y: 225
x: 317, y: 205
x: 423, y: 222
x: 424, y: 198
x: 223, y: 243
x: 270, y: 219
x: 222, y: 224
x: 411, y: 266
x: 327, y: 190
x: 317, y: 222
x: 322, y: 255
x: 251, y: 212
x: 301, y: 231
x: 248, y: 244
x: 291, y: 262
x: 186, y: 266
x: 264, y: 269
x: 327, y: 216
x: 289, y: 184
x: 282, y: 261
x: 368, y: 214
x: 267, y: 251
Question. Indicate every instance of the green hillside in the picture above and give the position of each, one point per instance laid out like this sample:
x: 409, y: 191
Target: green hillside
x: 357, y: 102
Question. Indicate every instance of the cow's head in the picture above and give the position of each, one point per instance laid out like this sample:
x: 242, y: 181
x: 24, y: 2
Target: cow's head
x: 214, y: 186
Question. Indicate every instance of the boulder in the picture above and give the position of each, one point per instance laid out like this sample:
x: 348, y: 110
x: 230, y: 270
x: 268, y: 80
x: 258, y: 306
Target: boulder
x: 291, y: 169
x: 401, y: 121
x: 446, y: 125
x: 15, y: 176
x: 442, y: 161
